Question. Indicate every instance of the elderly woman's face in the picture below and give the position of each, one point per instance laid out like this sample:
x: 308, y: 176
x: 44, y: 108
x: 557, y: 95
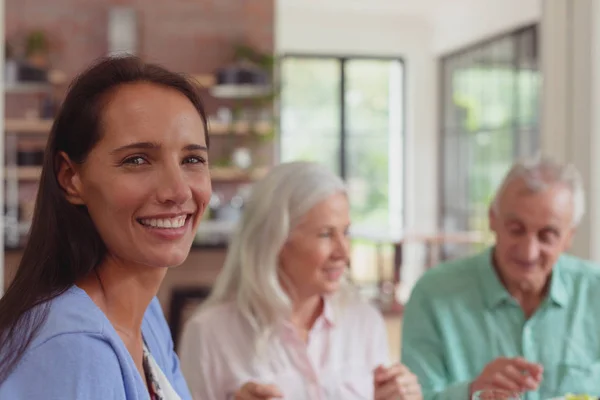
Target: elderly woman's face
x: 146, y: 182
x: 316, y: 254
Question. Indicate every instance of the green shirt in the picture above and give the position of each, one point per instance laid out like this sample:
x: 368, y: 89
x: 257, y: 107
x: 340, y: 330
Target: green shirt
x: 460, y: 317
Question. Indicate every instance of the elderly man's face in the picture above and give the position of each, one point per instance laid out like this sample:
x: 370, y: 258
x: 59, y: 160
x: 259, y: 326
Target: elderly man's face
x: 532, y: 230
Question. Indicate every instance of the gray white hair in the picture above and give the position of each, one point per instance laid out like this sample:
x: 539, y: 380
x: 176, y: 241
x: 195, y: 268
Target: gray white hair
x: 250, y: 274
x: 540, y: 172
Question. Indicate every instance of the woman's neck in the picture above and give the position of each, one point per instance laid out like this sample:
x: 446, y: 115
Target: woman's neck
x: 123, y: 292
x: 306, y: 311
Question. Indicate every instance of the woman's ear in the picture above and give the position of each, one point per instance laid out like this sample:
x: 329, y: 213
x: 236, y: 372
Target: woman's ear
x: 69, y: 179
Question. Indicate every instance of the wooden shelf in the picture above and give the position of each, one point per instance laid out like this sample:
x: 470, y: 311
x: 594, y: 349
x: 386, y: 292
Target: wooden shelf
x: 239, y: 128
x: 23, y: 173
x: 204, y: 80
x: 231, y: 91
x: 40, y: 126
x: 28, y: 88
x: 54, y: 78
x: 240, y: 91
x: 57, y: 78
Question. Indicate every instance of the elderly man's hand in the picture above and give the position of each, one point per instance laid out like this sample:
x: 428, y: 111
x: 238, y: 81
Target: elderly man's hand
x: 512, y: 374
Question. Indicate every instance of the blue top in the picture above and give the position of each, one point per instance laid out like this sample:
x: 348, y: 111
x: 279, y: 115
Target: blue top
x: 77, y: 354
x: 460, y: 317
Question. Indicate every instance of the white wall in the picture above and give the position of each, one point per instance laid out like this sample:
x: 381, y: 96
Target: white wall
x: 571, y: 98
x: 312, y: 30
x: 460, y: 23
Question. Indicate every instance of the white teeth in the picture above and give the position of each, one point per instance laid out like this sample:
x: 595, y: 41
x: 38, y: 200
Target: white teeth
x: 164, y: 223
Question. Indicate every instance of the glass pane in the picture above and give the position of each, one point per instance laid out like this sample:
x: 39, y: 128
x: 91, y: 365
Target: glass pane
x: 311, y: 110
x: 452, y: 172
x: 528, y: 98
x: 466, y: 95
x: 368, y: 179
x: 302, y: 147
x: 369, y: 95
x: 490, y: 119
x: 528, y: 93
x: 374, y: 159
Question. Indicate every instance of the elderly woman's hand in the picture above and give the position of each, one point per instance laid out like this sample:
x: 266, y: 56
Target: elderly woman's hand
x: 396, y: 383
x: 257, y: 391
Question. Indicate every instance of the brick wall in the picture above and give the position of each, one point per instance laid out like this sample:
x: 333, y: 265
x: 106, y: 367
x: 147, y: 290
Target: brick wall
x: 192, y: 36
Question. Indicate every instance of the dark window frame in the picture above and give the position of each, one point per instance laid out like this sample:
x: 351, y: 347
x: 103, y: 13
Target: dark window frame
x: 342, y: 60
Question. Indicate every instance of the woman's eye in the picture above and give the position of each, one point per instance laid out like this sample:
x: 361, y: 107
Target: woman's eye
x: 137, y: 160
x: 194, y: 160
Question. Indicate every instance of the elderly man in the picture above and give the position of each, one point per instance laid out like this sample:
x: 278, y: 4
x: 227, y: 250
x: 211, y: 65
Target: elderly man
x: 521, y: 316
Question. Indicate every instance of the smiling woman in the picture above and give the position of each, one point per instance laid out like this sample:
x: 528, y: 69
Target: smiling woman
x: 282, y: 318
x: 124, y: 185
x: 148, y: 173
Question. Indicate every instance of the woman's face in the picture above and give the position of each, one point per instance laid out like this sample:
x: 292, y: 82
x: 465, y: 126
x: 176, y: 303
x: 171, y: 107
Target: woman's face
x: 146, y: 183
x: 316, y: 254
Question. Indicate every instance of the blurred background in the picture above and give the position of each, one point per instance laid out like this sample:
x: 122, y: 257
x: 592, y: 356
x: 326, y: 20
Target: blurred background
x: 421, y: 106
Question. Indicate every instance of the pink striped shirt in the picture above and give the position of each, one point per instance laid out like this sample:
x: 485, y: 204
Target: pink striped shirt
x: 217, y: 354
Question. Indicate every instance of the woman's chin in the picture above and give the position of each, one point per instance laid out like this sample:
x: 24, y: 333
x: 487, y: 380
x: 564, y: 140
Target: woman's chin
x: 331, y: 287
x: 168, y: 258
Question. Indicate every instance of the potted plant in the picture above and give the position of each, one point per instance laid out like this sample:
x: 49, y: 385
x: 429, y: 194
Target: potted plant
x: 37, y: 49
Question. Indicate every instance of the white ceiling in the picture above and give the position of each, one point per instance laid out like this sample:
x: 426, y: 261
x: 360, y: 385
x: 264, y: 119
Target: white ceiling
x: 456, y: 23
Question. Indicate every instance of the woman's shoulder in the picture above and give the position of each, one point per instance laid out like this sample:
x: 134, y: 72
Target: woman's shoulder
x: 81, y: 363
x: 73, y: 321
x: 71, y: 312
x: 209, y: 328
x: 72, y: 351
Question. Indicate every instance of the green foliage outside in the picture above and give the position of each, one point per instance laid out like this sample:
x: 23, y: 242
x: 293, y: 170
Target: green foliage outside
x: 494, y: 108
x: 311, y: 127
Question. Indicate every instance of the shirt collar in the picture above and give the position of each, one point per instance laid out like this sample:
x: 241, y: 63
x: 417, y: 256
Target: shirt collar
x: 558, y: 289
x: 325, y: 320
x: 328, y: 313
x: 495, y: 293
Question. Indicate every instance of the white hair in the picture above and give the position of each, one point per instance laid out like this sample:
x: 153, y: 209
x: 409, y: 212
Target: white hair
x: 250, y: 274
x: 538, y: 173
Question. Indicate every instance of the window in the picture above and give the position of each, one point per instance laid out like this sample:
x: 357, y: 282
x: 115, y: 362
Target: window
x: 347, y: 113
x: 489, y: 119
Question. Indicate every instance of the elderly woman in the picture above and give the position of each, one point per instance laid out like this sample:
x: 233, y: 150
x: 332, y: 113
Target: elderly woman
x: 282, y: 320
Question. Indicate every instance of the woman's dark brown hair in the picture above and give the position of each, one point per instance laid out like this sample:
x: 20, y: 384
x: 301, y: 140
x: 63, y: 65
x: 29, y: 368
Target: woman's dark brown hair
x: 64, y: 245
